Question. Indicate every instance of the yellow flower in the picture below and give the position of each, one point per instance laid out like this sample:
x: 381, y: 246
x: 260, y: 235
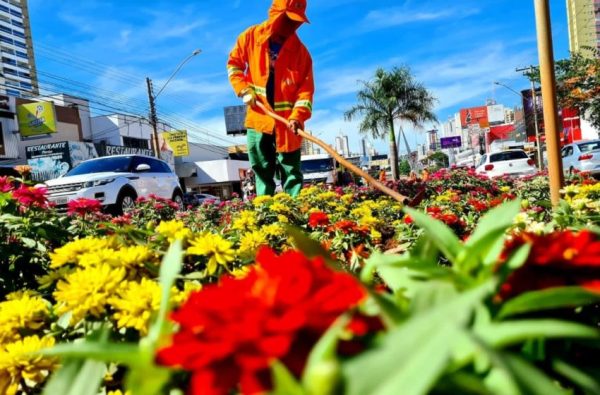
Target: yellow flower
x: 262, y: 200
x: 361, y: 211
x: 179, y: 297
x: 273, y: 230
x: 215, y: 248
x: 329, y: 195
x: 118, y: 392
x: 135, y: 304
x: 375, y: 234
x: 283, y: 197
x: 347, y: 198
x: 48, y: 280
x: 251, y: 242
x: 173, y: 230
x: 505, y: 188
x: 86, y: 291
x: 135, y: 256
x: 368, y: 220
x: 241, y: 272
x: 246, y: 220
x: 70, y: 252
x: 26, y: 312
x: 20, y: 362
x: 99, y: 257
x: 279, y: 208
x: 283, y: 219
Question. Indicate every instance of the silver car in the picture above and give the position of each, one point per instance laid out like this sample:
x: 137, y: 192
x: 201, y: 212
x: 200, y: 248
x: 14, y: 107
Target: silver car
x: 583, y: 156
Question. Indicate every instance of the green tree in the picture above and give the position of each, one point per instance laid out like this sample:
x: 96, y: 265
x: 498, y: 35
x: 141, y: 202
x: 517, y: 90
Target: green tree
x: 439, y: 159
x: 392, y: 96
x: 578, y: 85
x: 404, y: 168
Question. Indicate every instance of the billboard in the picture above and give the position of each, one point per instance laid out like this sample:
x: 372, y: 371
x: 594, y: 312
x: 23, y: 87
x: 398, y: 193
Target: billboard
x: 53, y: 160
x: 495, y: 114
x: 451, y: 142
x: 235, y: 117
x: 36, y: 118
x: 108, y: 150
x: 178, y: 142
x: 528, y: 109
x: 474, y: 116
x: 48, y: 161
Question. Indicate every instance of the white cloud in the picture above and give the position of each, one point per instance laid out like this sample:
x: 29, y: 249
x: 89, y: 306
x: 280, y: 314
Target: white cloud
x: 397, y: 16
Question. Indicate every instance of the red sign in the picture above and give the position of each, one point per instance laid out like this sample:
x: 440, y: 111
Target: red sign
x: 501, y: 132
x: 474, y: 116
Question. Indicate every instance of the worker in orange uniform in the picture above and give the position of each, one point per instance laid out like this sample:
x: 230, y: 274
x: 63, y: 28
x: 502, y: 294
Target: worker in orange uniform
x: 269, y: 64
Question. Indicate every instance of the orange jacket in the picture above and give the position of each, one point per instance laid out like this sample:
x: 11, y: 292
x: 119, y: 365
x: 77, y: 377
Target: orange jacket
x: 248, y: 66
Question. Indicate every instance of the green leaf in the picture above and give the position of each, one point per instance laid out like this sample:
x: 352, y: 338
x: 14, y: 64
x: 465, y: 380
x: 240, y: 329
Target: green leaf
x: 148, y: 379
x: 531, y: 380
x: 389, y: 311
x: 440, y: 234
x: 309, y: 247
x: 107, y: 352
x: 496, y: 221
x: 508, y: 333
x: 169, y: 270
x: 413, y: 356
x: 284, y: 382
x: 548, y: 299
x: 590, y: 384
x: 76, y: 377
x: 322, y: 374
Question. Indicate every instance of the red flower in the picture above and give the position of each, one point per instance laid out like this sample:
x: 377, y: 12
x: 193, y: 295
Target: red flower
x: 347, y: 226
x: 559, y: 259
x: 31, y: 196
x: 122, y: 220
x: 318, y: 219
x: 478, y: 205
x: 6, y: 185
x: 231, y: 332
x: 83, y: 206
x: 408, y: 219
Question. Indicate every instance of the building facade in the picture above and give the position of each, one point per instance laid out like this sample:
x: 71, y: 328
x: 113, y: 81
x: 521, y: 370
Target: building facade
x: 584, y: 25
x: 19, y: 76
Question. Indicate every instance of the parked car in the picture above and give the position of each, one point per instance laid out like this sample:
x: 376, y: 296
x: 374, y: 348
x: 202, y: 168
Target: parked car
x: 195, y: 199
x: 514, y: 162
x: 117, y: 181
x: 583, y: 156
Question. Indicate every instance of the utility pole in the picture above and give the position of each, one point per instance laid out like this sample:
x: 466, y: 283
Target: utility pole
x: 153, y: 118
x: 538, y: 141
x: 548, y: 78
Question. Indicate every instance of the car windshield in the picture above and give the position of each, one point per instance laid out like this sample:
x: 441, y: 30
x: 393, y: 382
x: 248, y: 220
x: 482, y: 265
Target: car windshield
x: 508, y: 155
x: 121, y: 164
x: 591, y: 146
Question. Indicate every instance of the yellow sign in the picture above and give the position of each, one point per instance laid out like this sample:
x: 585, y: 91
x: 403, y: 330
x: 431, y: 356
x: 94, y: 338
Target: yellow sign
x: 178, y: 142
x: 36, y: 118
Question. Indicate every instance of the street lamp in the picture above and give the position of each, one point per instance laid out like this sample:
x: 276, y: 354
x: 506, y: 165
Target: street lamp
x: 152, y: 98
x: 535, y: 119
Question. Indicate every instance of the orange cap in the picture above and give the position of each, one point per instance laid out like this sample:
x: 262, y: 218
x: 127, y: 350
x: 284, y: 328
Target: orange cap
x: 294, y: 9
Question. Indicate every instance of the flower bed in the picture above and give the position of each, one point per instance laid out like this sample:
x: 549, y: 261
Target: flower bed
x: 489, y: 292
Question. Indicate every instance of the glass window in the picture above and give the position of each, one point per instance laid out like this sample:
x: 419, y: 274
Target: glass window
x: 590, y: 146
x: 16, y: 13
x: 19, y: 44
x: 4, y: 8
x: 5, y: 29
x: 12, y: 92
x: 18, y: 33
x: 316, y: 165
x: 26, y: 85
x: 6, y: 40
x: 21, y: 54
x: 166, y: 168
x: 10, y: 71
x: 121, y: 164
x: 508, y: 155
x: 9, y: 61
x: 12, y: 83
x: 24, y: 75
x: 156, y: 166
x: 16, y: 23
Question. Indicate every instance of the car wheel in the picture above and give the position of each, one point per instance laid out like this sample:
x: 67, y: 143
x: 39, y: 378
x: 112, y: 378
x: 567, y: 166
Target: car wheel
x: 178, y: 198
x: 125, y: 202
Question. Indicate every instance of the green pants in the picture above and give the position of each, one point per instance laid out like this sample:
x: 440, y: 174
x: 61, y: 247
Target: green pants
x: 265, y: 162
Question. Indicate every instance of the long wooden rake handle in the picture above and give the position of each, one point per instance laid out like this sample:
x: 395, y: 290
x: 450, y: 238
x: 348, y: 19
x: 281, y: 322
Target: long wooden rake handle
x: 356, y: 170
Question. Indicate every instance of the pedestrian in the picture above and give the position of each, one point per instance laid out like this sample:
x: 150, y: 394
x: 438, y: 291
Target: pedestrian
x: 270, y: 64
x: 248, y: 185
x: 382, y: 175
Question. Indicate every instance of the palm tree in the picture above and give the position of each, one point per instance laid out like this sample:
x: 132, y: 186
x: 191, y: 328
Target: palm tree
x: 391, y: 97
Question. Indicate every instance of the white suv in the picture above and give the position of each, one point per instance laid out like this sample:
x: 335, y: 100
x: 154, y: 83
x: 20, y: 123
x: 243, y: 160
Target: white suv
x: 513, y: 162
x: 117, y: 181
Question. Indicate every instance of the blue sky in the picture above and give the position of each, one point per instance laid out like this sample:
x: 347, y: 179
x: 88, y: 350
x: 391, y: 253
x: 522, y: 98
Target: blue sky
x: 106, y: 48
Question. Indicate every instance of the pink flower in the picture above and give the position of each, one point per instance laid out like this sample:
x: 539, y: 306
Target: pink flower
x: 31, y: 196
x: 83, y: 206
x: 5, y: 185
